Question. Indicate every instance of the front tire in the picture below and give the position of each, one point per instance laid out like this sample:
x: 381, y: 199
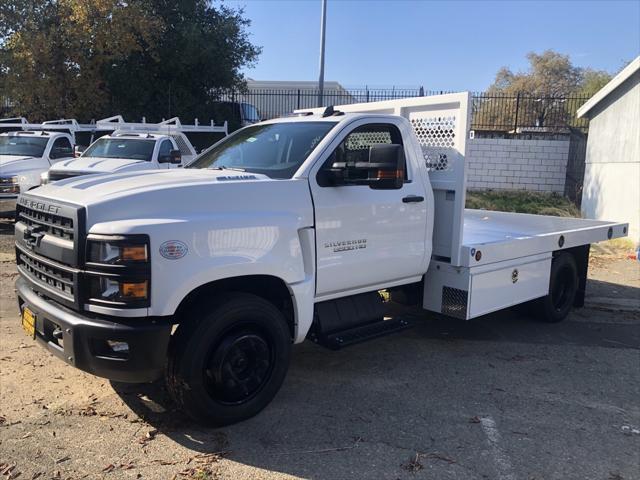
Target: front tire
x: 228, y: 365
x: 563, y: 287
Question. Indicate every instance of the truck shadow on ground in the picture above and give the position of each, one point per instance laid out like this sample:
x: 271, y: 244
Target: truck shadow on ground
x: 391, y: 397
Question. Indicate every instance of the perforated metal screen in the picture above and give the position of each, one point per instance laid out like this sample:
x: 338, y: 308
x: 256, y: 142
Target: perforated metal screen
x: 364, y: 140
x: 182, y: 145
x: 454, y: 302
x: 435, y: 134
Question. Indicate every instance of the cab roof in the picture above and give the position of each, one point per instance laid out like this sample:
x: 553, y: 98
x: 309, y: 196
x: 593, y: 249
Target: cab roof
x: 337, y: 117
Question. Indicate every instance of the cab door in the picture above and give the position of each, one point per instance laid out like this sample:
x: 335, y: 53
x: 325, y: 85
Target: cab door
x: 366, y: 238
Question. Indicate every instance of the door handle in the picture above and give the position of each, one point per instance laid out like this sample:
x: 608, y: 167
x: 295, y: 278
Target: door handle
x: 413, y: 199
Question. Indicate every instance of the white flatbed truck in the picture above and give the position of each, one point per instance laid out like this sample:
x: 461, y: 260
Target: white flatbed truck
x: 286, y: 230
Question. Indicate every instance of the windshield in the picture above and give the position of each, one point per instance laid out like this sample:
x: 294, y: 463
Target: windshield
x: 276, y: 149
x: 23, y: 146
x: 121, y: 148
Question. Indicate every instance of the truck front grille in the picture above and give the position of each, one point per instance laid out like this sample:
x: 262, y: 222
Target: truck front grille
x: 56, y: 225
x: 50, y: 247
x: 53, y: 278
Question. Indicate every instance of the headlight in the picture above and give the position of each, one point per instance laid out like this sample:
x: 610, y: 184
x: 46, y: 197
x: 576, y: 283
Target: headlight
x: 10, y: 184
x: 44, y: 178
x: 117, y: 250
x: 119, y: 271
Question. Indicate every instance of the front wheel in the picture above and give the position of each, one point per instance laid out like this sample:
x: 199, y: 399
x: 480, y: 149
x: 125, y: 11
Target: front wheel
x: 228, y: 365
x: 563, y: 287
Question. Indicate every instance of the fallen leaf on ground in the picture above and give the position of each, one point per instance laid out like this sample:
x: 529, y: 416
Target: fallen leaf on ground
x: 413, y: 465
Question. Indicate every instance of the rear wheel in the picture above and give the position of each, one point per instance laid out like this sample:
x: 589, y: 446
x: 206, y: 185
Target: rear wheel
x: 563, y: 287
x: 228, y: 365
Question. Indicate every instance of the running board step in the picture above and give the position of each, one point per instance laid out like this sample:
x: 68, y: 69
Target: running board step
x: 354, y: 335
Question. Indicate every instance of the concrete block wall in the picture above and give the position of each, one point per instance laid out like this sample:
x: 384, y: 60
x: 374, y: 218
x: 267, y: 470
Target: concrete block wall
x: 515, y: 164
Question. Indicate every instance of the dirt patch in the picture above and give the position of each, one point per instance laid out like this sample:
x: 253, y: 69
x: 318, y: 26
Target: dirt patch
x: 407, y: 406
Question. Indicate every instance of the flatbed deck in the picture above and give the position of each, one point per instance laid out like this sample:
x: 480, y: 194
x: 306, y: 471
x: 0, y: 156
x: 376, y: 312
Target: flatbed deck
x: 503, y: 236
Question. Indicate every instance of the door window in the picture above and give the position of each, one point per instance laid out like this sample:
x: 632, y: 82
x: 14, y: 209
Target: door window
x: 61, y: 148
x: 165, y: 149
x: 355, y: 147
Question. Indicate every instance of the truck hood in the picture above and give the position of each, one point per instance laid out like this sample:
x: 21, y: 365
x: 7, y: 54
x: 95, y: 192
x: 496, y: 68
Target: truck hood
x: 99, y: 165
x: 142, y: 186
x: 12, y: 163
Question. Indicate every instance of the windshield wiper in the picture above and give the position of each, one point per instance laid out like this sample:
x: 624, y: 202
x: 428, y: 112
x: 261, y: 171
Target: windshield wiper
x: 224, y: 167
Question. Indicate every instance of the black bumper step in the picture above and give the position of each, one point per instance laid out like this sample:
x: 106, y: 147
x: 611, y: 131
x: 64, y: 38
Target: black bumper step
x: 354, y: 335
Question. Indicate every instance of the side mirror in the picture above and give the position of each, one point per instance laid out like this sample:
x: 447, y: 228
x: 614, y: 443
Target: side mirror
x: 385, y: 170
x: 78, y: 149
x: 387, y: 165
x: 174, y: 157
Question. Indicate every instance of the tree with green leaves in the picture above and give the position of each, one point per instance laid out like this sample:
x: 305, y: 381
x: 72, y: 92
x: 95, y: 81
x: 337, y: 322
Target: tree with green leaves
x: 199, y: 53
x: 541, y: 93
x: 54, y: 53
x: 592, y: 81
x: 95, y: 58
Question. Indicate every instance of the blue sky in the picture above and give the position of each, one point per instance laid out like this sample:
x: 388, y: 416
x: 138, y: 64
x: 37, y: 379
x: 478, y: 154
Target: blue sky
x: 447, y: 45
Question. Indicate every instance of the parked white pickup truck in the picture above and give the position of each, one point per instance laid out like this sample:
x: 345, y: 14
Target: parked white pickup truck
x: 125, y: 152
x: 286, y: 230
x: 24, y: 156
x: 137, y: 146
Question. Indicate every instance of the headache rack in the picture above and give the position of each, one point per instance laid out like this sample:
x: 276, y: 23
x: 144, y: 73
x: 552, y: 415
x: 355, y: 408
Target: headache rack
x: 166, y: 127
x: 94, y: 129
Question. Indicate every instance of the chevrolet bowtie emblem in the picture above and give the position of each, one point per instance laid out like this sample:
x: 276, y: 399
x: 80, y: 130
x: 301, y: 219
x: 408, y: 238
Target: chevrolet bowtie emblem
x: 33, y: 235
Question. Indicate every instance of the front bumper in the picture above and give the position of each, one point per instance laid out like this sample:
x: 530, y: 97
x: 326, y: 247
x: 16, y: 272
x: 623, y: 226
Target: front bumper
x: 82, y: 341
x: 8, y: 205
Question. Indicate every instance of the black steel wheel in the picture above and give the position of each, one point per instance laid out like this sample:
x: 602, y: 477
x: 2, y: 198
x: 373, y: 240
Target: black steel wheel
x: 563, y: 287
x: 239, y: 366
x: 228, y: 365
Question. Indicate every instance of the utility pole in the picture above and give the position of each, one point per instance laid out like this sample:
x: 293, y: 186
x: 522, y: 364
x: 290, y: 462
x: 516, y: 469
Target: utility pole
x: 323, y: 27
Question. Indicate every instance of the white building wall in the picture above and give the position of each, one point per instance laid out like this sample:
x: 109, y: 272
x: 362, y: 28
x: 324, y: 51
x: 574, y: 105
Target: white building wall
x: 612, y: 170
x: 514, y: 164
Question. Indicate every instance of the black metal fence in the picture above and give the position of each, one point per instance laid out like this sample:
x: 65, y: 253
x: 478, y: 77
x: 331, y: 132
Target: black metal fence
x: 274, y: 103
x: 490, y: 112
x: 523, y: 112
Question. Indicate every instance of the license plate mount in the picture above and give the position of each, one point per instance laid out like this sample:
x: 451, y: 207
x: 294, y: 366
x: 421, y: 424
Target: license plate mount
x: 29, y: 322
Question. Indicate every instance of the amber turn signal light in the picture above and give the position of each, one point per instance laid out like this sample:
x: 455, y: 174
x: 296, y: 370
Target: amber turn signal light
x: 390, y: 174
x: 134, y: 253
x: 134, y: 290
